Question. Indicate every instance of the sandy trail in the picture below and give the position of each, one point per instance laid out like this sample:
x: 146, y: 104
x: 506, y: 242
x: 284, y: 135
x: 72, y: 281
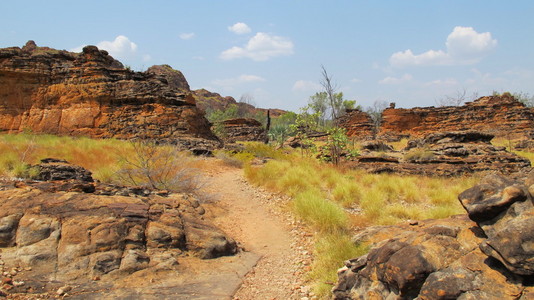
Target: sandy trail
x: 253, y: 217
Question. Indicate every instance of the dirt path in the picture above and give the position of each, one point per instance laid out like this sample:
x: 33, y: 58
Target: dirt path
x: 253, y: 217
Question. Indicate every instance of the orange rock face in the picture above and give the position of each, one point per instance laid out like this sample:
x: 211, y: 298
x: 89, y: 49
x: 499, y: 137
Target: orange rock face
x: 499, y: 115
x: 50, y: 91
x: 357, y: 123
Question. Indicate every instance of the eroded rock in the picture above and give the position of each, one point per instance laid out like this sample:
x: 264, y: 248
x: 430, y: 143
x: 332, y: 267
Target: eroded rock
x: 445, y: 154
x: 488, y: 257
x: 74, y: 236
x: 92, y: 94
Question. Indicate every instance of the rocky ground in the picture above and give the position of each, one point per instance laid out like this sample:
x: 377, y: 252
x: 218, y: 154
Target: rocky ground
x: 67, y: 236
x: 441, y: 154
x: 486, y: 254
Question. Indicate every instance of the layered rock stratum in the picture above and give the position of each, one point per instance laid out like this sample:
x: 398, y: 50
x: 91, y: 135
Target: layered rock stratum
x: 486, y: 254
x: 442, y: 154
x: 44, y: 90
x: 500, y: 115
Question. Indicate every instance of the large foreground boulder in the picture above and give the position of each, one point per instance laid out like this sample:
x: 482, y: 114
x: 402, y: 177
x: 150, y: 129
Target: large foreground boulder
x: 52, y: 231
x: 486, y: 257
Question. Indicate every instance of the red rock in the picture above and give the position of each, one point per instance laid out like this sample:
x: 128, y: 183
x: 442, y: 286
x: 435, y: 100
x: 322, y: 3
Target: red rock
x: 91, y: 94
x: 243, y: 130
x: 357, y: 123
x: 499, y: 115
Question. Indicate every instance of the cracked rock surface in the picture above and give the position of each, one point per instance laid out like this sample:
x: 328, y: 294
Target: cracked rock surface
x: 110, y: 241
x: 486, y: 254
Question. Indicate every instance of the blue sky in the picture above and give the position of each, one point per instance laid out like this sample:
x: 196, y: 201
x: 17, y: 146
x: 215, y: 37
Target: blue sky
x: 409, y: 52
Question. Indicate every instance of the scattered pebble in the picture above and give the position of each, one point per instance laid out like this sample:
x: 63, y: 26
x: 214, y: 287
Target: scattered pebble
x: 63, y: 290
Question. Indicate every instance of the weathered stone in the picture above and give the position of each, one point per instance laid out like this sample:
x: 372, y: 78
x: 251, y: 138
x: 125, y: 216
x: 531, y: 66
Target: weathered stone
x: 92, y: 94
x: 357, y: 123
x: 502, y: 116
x: 499, y: 115
x: 8, y: 228
x: 376, y: 145
x: 56, y: 169
x: 452, y: 258
x: 445, y: 154
x: 243, y: 130
x: 69, y: 237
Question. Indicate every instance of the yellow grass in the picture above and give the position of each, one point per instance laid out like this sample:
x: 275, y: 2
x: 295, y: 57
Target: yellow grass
x: 321, y: 191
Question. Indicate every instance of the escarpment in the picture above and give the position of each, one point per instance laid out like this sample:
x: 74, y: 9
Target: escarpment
x: 44, y: 90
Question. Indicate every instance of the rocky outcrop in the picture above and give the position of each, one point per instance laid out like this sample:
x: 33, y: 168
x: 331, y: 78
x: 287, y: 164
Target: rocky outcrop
x: 488, y: 257
x: 244, y: 130
x: 500, y: 115
x: 209, y: 101
x: 175, y: 79
x: 90, y: 93
x: 357, y: 123
x: 444, y: 154
x: 52, y: 233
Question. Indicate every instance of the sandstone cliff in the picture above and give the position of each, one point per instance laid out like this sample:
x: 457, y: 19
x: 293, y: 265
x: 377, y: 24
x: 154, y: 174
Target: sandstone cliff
x: 54, y: 91
x: 499, y: 115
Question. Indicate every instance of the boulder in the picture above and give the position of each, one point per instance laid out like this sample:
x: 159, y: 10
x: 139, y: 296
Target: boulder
x: 242, y: 130
x: 486, y: 254
x: 504, y: 209
x: 112, y: 234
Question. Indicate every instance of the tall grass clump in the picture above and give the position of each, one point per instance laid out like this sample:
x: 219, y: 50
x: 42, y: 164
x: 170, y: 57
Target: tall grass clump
x: 110, y: 160
x: 331, y: 250
x: 323, y: 215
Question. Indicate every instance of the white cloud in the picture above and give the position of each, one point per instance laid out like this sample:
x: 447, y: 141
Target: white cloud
x: 431, y: 57
x: 147, y: 57
x: 231, y: 82
x: 119, y: 48
x: 261, y: 47
x: 466, y: 43
x: 443, y: 82
x: 464, y: 46
x: 239, y: 28
x: 306, y: 86
x: 187, y: 36
x: 394, y: 80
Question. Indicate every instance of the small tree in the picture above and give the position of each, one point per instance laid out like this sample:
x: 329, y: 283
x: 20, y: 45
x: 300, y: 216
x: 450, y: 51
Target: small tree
x: 318, y: 103
x: 335, y: 101
x: 524, y: 98
x: 457, y: 99
x: 375, y: 112
x: 158, y: 167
